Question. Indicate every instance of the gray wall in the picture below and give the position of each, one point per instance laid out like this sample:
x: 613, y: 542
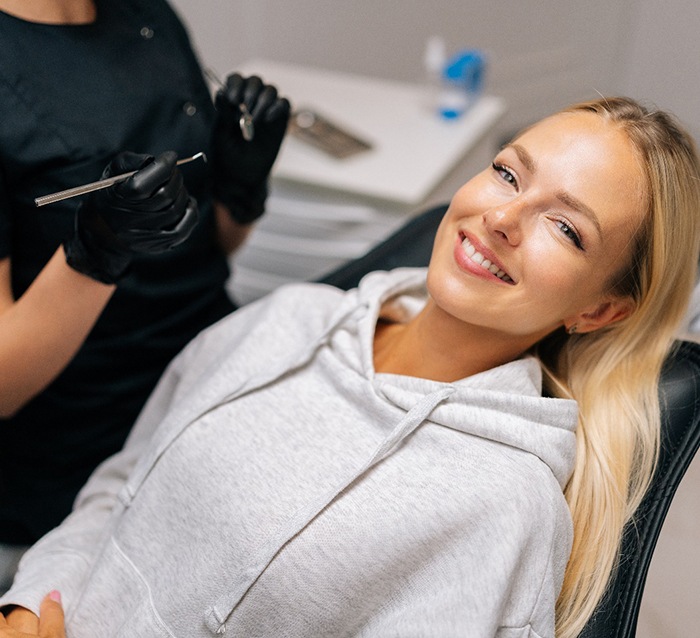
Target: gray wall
x: 543, y: 53
x: 662, y: 57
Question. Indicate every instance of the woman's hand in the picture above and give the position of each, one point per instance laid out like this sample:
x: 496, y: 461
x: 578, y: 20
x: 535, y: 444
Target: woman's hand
x: 22, y: 623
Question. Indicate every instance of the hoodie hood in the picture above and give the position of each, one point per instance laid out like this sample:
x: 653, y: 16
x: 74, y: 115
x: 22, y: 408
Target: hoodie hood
x: 503, y: 404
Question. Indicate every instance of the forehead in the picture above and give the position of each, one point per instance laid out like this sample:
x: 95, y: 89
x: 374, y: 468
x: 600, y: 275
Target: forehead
x: 591, y: 158
x: 579, y: 132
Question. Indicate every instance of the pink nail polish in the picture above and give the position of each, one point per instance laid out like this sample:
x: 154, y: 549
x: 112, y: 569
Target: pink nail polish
x: 55, y: 596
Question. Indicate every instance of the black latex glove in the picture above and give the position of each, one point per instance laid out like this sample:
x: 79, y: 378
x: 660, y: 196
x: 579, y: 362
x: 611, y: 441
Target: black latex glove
x: 241, y: 168
x: 149, y: 213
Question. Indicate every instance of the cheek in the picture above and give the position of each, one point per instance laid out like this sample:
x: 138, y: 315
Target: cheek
x: 474, y: 196
x: 563, y: 284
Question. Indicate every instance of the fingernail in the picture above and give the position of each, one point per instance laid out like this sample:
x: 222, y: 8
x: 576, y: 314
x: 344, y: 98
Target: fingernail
x: 55, y: 596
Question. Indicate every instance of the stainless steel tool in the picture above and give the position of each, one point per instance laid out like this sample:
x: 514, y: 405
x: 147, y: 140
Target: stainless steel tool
x: 309, y: 126
x: 245, y: 121
x: 103, y: 183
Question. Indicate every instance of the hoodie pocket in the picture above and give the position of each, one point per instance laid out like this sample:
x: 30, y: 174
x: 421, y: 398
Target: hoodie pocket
x: 117, y: 602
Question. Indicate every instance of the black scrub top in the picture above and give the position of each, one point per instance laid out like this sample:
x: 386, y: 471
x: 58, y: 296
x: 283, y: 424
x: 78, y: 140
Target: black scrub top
x: 71, y: 97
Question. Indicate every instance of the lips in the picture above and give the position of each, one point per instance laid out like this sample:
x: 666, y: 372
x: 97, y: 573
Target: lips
x: 487, y: 264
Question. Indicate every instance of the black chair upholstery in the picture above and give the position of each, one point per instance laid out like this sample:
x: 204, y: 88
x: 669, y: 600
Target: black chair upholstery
x: 679, y: 393
x: 411, y: 245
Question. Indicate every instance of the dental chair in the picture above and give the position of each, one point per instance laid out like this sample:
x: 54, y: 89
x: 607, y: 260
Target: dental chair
x: 616, y: 615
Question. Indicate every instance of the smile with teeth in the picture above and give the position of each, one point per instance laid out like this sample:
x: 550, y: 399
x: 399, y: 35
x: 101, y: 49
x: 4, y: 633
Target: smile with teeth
x: 476, y: 257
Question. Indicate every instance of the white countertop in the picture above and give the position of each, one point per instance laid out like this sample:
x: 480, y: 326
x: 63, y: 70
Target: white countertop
x: 413, y: 149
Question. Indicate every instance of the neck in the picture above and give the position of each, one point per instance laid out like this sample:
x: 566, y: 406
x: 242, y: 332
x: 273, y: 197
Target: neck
x: 51, y: 11
x: 435, y: 345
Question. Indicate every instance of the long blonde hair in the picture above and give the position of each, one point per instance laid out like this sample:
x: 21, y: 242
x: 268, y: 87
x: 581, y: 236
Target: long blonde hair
x: 613, y: 373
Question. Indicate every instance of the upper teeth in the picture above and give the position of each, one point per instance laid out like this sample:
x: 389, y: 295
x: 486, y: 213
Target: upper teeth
x: 475, y: 256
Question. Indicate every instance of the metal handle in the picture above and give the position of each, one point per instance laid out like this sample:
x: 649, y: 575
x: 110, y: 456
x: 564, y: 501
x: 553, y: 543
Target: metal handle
x: 102, y: 183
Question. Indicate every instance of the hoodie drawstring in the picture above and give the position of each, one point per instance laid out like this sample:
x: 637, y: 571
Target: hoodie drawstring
x: 217, y: 615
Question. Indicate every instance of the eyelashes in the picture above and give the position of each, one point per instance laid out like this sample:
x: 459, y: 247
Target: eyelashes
x: 570, y: 232
x: 506, y: 174
x: 566, y: 227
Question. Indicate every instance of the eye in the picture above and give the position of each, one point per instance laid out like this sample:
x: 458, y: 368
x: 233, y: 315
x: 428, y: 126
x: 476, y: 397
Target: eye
x: 506, y: 174
x: 570, y: 232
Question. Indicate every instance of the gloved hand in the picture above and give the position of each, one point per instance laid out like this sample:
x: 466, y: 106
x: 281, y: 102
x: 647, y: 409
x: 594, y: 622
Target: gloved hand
x: 241, y: 167
x: 148, y: 213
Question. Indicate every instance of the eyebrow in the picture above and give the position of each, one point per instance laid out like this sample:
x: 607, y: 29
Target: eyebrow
x: 524, y: 157
x: 563, y: 196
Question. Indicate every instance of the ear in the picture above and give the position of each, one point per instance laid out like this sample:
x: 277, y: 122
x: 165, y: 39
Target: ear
x: 607, y: 312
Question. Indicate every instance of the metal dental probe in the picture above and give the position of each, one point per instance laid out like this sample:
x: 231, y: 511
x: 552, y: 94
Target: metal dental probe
x: 103, y: 183
x: 245, y: 121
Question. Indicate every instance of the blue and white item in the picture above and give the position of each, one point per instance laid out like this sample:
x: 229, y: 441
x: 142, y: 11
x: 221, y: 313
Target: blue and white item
x: 462, y: 83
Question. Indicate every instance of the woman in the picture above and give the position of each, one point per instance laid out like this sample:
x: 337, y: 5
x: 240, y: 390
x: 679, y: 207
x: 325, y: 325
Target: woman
x: 90, y: 319
x: 388, y: 461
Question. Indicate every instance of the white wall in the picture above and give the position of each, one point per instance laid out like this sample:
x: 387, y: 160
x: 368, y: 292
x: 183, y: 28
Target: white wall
x: 662, y: 58
x: 543, y: 53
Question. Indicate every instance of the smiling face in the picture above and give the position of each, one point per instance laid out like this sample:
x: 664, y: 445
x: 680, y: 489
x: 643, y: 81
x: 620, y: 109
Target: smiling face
x: 531, y: 243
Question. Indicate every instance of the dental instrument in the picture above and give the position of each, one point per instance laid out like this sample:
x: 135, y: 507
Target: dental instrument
x: 245, y: 122
x: 103, y: 183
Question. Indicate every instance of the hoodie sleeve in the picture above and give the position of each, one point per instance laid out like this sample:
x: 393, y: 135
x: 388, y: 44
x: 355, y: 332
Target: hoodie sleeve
x: 62, y: 559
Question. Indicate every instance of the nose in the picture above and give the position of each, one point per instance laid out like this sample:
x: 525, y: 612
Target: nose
x: 504, y: 221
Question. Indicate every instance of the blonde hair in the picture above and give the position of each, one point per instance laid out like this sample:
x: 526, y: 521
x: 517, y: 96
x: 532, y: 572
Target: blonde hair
x: 613, y: 373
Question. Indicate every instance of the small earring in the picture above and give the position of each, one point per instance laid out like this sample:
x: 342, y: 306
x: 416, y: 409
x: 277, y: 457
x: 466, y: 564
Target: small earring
x: 572, y: 328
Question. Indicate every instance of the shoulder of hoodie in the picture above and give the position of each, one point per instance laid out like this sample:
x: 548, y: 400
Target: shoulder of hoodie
x: 523, y: 505
x: 288, y: 309
x: 299, y: 311
x: 517, y: 480
x: 283, y: 322
x: 292, y: 314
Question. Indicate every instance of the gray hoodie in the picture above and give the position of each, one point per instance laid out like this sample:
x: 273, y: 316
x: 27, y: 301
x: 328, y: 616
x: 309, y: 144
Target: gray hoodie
x: 275, y: 485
